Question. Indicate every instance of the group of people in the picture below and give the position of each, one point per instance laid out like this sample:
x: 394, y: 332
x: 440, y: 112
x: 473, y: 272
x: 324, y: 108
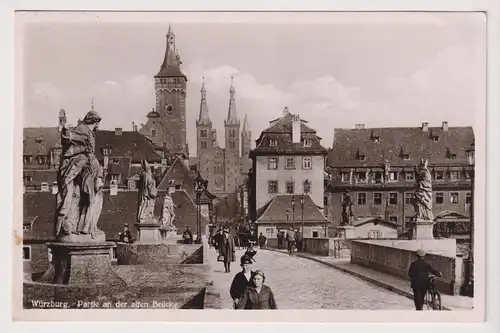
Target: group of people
x: 293, y: 238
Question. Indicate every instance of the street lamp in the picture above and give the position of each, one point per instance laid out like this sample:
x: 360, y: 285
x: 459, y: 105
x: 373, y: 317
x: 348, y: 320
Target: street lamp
x: 302, y: 213
x: 287, y: 213
x: 293, y: 211
x: 200, y: 186
x: 470, y: 153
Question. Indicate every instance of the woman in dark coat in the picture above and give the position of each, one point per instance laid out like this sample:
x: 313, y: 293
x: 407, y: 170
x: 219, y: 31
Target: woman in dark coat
x: 257, y: 296
x: 226, y: 249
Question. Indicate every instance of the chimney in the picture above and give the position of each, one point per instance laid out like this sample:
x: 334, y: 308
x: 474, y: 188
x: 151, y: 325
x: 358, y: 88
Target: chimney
x: 133, y: 126
x: 113, y: 188
x: 55, y: 188
x: 359, y: 126
x: 445, y: 126
x: 118, y: 131
x: 296, y: 129
x: 425, y: 127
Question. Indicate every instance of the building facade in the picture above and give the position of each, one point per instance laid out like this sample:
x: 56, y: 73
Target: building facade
x: 223, y: 167
x: 166, y: 125
x: 288, y: 159
x: 377, y: 166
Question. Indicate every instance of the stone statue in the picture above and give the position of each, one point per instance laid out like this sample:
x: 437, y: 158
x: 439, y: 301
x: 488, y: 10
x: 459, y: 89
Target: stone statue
x: 168, y: 213
x: 423, y: 192
x: 346, y: 209
x: 147, y: 195
x: 80, y: 181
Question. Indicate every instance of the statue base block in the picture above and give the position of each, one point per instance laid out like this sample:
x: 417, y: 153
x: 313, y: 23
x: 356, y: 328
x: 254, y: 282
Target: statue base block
x: 423, y: 230
x: 148, y: 233
x: 83, y: 264
x: 83, y: 238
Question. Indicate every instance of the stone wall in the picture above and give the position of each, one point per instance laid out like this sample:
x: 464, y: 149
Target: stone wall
x: 337, y: 247
x: 138, y: 254
x: 396, y: 261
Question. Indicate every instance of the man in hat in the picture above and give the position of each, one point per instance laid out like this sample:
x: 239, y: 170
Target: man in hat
x: 419, y: 274
x: 241, y: 280
x: 227, y: 249
x: 187, y: 235
x: 290, y: 238
x: 126, y: 236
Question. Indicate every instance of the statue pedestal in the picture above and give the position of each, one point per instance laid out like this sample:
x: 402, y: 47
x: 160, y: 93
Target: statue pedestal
x: 346, y: 231
x: 423, y: 229
x: 83, y: 264
x: 99, y: 237
x: 148, y: 232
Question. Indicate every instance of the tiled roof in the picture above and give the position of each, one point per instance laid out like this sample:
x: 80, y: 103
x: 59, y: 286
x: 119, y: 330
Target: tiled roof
x: 49, y: 137
x: 129, y: 144
x: 281, y: 131
x: 375, y: 220
x: 170, y: 71
x: 393, y: 142
x: 185, y: 212
x: 40, y: 176
x: 276, y: 211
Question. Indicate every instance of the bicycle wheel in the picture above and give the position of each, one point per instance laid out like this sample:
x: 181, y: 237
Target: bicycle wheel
x: 436, y: 303
x: 428, y: 300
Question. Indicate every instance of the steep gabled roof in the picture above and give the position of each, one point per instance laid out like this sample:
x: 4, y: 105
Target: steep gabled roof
x: 375, y: 220
x: 391, y: 141
x: 275, y: 212
x: 130, y: 144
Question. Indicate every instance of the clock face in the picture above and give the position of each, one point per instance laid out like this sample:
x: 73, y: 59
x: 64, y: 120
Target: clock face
x: 169, y: 108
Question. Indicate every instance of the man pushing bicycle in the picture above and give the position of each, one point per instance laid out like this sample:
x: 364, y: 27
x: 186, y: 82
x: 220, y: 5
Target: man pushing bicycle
x: 419, y: 274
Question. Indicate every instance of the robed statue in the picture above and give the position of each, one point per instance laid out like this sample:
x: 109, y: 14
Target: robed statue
x: 147, y: 195
x: 80, y: 180
x: 168, y: 213
x: 423, y: 192
x: 346, y: 208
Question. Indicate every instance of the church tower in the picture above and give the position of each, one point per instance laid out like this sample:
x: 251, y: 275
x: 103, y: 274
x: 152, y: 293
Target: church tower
x: 232, y: 144
x: 204, y: 126
x: 166, y: 125
x: 246, y: 138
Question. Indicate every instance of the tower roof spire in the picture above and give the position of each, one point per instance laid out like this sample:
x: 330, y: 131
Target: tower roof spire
x: 92, y: 104
x: 203, y: 118
x: 246, y: 127
x: 171, y: 62
x: 232, y: 116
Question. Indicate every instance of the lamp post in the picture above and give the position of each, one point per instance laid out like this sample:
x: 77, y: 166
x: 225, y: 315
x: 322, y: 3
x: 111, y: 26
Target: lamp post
x: 293, y: 211
x: 200, y: 185
x: 302, y: 214
x: 470, y: 153
x: 287, y: 213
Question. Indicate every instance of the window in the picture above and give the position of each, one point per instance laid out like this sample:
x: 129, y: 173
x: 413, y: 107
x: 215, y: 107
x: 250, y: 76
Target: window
x: 393, y: 198
x: 454, y: 198
x: 393, y: 176
x: 178, y: 187
x: 27, y: 253
x: 27, y: 159
x: 374, y: 234
x: 214, y: 135
x: 203, y: 133
x: 28, y: 178
x: 325, y: 202
x: 49, y: 255
x: 41, y: 159
x: 361, y: 198
x: 345, y: 177
x: 378, y: 177
x: 435, y: 138
x: 114, y: 177
x: 272, y: 163
x: 452, y: 156
x: 290, y: 187
x: 361, y: 157
x: 439, y: 198
x: 269, y: 230
x: 467, y: 175
x: 409, y: 176
x: 408, y: 219
x: 153, y: 133
x: 454, y: 175
x: 406, y: 157
x: 377, y: 198
x: 306, y: 162
x: 272, y: 186
x: 273, y: 142
x: 290, y: 163
x: 438, y: 175
x: 232, y: 144
x: 393, y: 219
x: 361, y: 177
x: 468, y: 198
x: 315, y: 234
x: 306, y: 185
x: 203, y: 145
x: 408, y: 198
x: 307, y: 143
x: 214, y: 143
x: 232, y: 133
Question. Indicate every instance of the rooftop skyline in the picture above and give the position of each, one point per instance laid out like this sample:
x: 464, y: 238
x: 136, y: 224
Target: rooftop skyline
x: 378, y: 73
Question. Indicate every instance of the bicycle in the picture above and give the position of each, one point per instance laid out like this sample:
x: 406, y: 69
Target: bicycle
x: 433, y: 297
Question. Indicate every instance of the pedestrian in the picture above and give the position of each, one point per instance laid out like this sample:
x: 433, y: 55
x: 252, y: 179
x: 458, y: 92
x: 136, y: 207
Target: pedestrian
x: 280, y: 237
x: 298, y: 240
x: 187, y: 235
x: 419, y: 274
x: 226, y: 249
x: 241, y: 280
x: 257, y: 295
x: 126, y: 235
x: 262, y: 240
x: 290, y: 238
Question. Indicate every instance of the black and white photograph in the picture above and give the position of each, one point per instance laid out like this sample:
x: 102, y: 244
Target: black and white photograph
x: 324, y: 162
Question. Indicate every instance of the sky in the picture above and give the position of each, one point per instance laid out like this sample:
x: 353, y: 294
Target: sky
x: 384, y: 71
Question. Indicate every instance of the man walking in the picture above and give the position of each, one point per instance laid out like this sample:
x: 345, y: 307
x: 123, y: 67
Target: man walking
x: 298, y: 241
x: 262, y: 240
x: 227, y: 249
x: 280, y: 237
x: 290, y: 238
x: 419, y: 274
x: 241, y: 280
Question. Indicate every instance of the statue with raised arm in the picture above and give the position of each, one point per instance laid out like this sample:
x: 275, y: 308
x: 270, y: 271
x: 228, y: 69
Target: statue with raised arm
x: 423, y: 192
x: 347, y: 213
x: 147, y: 195
x: 79, y: 178
x: 168, y: 213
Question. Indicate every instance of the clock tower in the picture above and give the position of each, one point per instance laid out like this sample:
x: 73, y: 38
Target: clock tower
x: 166, y: 125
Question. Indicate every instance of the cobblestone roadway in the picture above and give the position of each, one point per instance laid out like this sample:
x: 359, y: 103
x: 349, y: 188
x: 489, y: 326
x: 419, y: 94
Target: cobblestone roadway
x: 300, y: 283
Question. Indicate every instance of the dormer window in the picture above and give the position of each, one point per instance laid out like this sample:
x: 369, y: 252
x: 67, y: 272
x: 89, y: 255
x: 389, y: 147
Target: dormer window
x: 307, y: 143
x: 406, y: 157
x: 361, y: 157
x: 435, y: 137
x: 45, y: 187
x: 375, y: 136
x: 451, y: 155
x: 273, y: 142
